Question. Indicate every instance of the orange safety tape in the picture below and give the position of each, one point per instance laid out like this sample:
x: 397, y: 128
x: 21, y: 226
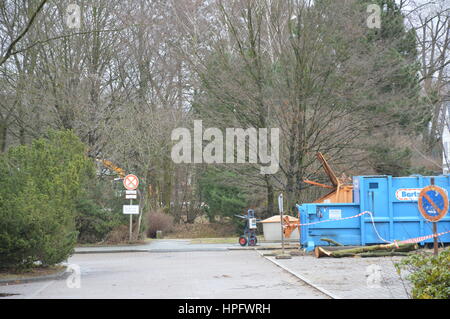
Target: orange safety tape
x: 419, y: 239
x: 406, y: 241
x: 331, y: 220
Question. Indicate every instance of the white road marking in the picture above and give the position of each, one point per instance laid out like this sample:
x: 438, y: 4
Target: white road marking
x: 45, y: 286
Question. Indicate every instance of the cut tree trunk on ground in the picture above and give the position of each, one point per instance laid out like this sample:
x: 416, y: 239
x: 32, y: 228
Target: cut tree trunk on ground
x: 383, y: 254
x: 325, y: 252
x: 338, y: 248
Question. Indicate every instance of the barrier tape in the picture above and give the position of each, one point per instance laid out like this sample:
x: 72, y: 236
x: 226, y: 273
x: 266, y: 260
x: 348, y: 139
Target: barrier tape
x: 396, y: 243
x: 332, y: 220
x: 419, y: 239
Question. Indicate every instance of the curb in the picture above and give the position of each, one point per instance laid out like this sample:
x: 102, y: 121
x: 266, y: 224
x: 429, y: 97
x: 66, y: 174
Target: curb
x: 111, y: 251
x: 260, y: 248
x: 57, y: 276
x: 181, y: 250
x: 242, y: 248
x: 302, y: 278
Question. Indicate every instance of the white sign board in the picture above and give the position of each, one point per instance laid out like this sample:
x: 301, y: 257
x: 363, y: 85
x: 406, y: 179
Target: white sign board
x: 408, y: 194
x: 280, y: 203
x: 130, y: 192
x: 252, y: 223
x: 335, y: 214
x: 131, y: 209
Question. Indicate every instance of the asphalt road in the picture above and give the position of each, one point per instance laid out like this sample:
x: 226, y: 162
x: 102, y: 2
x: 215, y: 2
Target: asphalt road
x: 201, y: 274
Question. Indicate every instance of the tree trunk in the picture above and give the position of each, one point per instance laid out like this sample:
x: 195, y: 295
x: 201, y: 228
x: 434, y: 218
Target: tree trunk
x: 22, y: 136
x: 322, y: 252
x: 331, y: 241
x: 383, y: 254
x: 270, y: 193
x: 141, y: 212
x: 167, y: 184
x: 3, y: 134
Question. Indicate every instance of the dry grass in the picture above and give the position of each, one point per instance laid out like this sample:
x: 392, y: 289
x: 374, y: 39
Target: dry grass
x: 212, y: 230
x: 33, y: 272
x: 158, y: 220
x: 125, y: 243
x: 118, y: 235
x: 223, y: 240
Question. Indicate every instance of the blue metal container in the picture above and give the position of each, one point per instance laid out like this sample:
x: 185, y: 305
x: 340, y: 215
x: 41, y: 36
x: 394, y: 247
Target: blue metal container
x: 393, y: 204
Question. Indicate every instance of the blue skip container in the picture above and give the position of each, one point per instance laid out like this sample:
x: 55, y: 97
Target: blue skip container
x: 393, y: 202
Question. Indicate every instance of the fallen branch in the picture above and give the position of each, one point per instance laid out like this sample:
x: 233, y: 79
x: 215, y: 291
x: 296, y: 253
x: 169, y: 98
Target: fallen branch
x: 383, y: 254
x: 331, y: 241
x: 322, y: 252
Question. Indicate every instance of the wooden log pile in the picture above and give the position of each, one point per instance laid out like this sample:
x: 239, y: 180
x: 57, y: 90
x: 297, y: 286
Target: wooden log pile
x: 339, y: 251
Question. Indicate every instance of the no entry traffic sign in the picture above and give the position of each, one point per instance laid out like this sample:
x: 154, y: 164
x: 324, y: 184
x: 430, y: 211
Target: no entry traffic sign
x: 131, y: 182
x: 433, y: 203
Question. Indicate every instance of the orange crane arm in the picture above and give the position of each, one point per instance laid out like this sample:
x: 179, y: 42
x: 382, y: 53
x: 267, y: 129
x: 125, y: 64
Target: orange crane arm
x: 341, y: 190
x: 328, y: 170
x: 318, y: 184
x: 110, y: 165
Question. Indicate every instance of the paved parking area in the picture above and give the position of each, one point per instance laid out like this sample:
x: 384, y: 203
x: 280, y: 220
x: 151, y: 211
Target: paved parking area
x: 200, y: 274
x: 354, y: 278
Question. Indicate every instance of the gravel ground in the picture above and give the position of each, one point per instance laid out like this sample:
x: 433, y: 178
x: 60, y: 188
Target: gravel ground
x: 353, y: 278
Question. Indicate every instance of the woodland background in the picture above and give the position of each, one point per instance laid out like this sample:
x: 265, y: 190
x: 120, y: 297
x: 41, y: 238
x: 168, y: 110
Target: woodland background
x: 373, y: 101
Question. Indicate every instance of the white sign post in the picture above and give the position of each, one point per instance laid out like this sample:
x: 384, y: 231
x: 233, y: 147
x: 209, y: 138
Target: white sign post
x: 280, y: 208
x: 131, y: 183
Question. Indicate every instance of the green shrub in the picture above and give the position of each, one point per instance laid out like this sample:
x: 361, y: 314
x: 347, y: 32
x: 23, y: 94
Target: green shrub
x: 99, y: 210
x: 39, y: 187
x: 93, y: 222
x: 221, y: 191
x: 429, y: 275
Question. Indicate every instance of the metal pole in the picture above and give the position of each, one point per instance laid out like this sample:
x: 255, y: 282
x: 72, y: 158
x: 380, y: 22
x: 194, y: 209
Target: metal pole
x: 131, y: 221
x: 282, y: 233
x: 435, y: 240
x: 280, y: 206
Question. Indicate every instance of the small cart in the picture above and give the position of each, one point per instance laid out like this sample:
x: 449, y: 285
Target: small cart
x: 249, y: 236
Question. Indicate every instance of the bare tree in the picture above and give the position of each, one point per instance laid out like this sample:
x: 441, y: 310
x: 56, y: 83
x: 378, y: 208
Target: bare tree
x: 431, y: 22
x: 15, y: 39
